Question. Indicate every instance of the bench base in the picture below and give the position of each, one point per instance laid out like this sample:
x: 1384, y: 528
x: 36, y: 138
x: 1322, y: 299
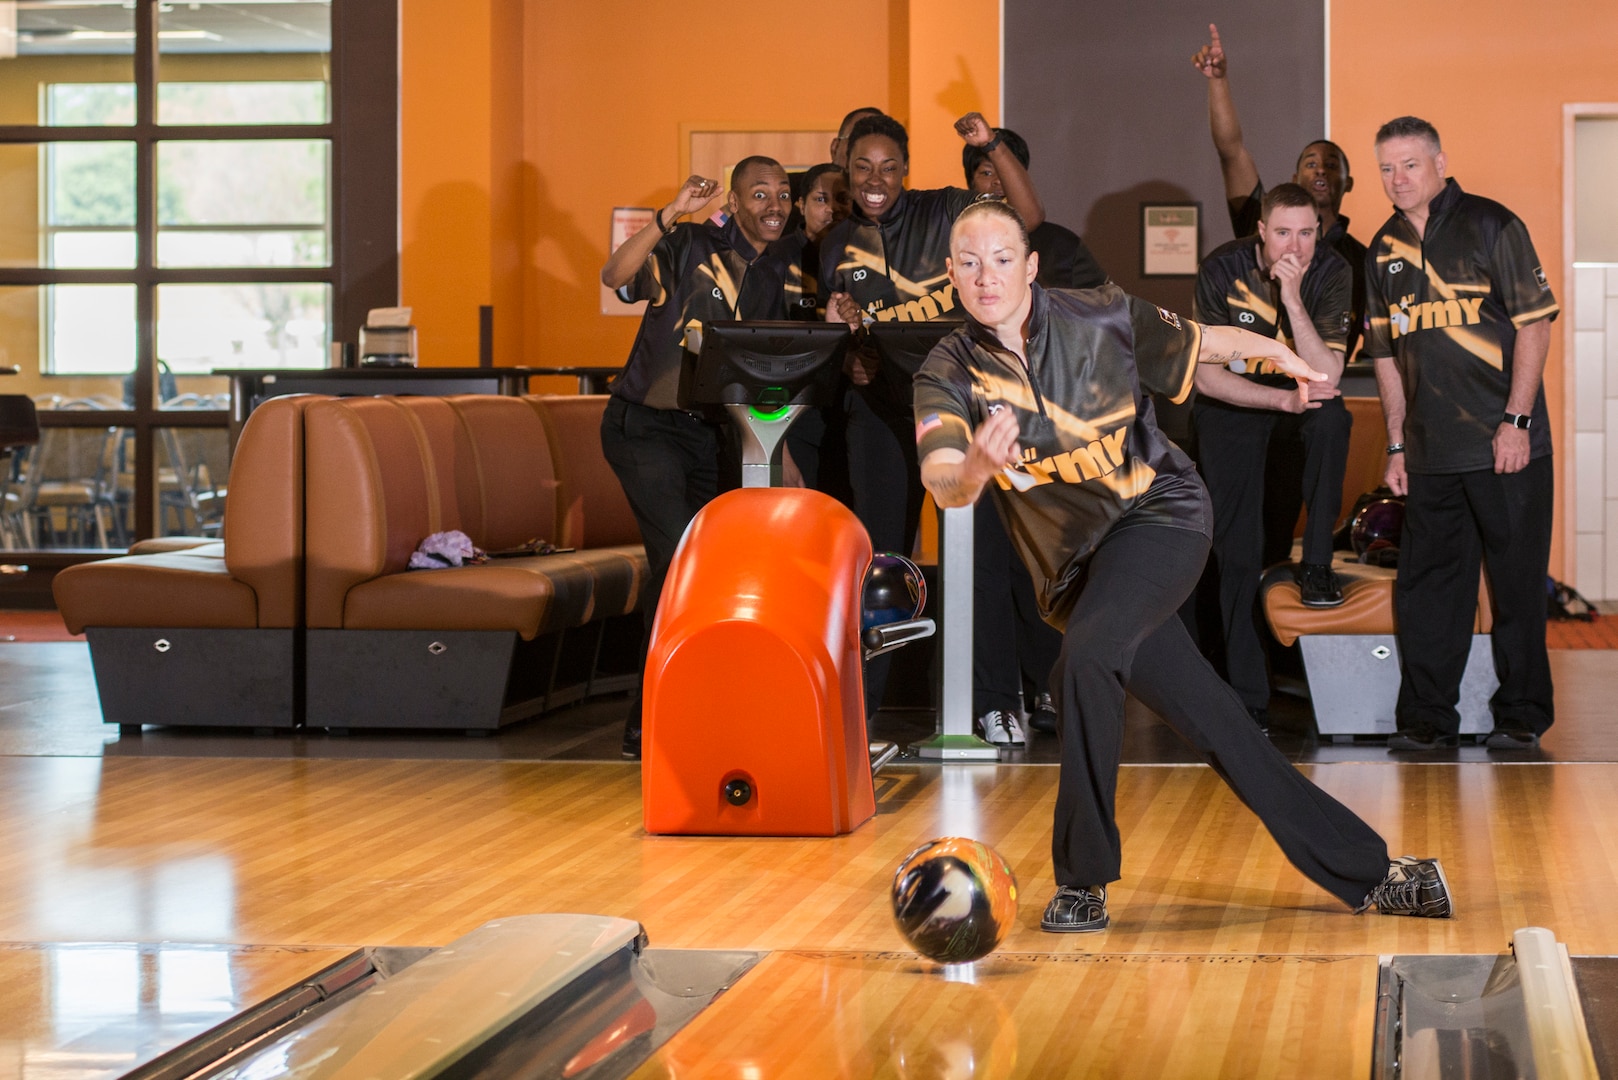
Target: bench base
x: 1354, y: 684
x: 194, y: 677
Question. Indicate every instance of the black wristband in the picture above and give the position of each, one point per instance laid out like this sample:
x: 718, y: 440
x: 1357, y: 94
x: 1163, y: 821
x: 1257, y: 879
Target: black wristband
x: 989, y: 147
x: 662, y: 228
x: 1396, y: 448
x: 1518, y: 420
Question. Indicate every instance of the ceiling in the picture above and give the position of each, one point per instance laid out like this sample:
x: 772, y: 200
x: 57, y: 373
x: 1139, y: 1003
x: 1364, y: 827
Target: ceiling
x: 85, y: 27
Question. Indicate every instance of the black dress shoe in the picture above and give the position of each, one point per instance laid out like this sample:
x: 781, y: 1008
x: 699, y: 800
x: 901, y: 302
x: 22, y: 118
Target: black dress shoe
x: 1318, y: 586
x: 1511, y: 739
x: 1043, y: 718
x: 1419, y: 739
x: 632, y: 743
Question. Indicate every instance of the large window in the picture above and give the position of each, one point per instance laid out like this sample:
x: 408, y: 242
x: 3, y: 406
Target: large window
x: 169, y: 211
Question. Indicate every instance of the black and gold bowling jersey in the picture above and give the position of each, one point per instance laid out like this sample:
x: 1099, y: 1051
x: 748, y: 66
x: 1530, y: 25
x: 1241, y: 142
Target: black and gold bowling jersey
x: 894, y: 268
x: 1064, y: 261
x: 1446, y: 307
x: 1244, y: 218
x: 805, y: 300
x: 1093, y: 459
x: 1233, y: 290
x: 697, y: 273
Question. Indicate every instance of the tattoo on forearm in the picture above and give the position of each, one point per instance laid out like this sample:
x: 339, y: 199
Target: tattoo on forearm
x: 951, y: 488
x: 1221, y: 358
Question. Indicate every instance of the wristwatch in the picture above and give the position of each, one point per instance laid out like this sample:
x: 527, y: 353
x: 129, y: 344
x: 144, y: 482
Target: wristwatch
x: 1518, y: 420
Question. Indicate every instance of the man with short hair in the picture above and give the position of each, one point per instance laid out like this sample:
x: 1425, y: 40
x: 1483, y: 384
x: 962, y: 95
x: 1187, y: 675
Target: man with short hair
x: 1282, y: 284
x: 667, y: 459
x: 1322, y: 170
x: 1460, y: 327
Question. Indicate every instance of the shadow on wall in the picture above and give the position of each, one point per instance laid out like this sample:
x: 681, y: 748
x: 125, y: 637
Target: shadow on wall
x: 960, y: 95
x: 561, y: 263
x: 444, y: 269
x: 1113, y: 232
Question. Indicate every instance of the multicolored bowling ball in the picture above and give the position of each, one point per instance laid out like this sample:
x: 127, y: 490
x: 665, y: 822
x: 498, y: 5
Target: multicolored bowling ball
x: 1374, y: 532
x: 954, y: 899
x: 894, y: 591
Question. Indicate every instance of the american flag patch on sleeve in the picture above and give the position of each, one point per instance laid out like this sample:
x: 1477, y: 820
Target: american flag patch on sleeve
x: 928, y: 423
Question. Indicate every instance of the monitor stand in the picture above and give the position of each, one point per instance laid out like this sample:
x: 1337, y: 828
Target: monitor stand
x: 762, y: 431
x: 904, y: 347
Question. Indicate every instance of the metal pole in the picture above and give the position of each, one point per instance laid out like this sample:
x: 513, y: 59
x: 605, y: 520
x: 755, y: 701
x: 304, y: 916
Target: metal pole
x: 955, y: 740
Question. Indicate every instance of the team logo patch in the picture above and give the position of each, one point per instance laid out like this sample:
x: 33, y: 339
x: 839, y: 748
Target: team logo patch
x: 1539, y: 276
x: 1169, y: 317
x: 858, y: 275
x: 717, y: 295
x: 1246, y: 317
x: 928, y: 423
x: 1397, y: 266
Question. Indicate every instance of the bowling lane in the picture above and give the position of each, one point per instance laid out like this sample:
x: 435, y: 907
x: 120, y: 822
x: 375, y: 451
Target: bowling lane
x: 83, y: 1011
x: 837, y: 1014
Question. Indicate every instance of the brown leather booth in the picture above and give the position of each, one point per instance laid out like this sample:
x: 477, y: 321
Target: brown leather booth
x: 305, y: 613
x: 465, y: 647
x: 193, y: 631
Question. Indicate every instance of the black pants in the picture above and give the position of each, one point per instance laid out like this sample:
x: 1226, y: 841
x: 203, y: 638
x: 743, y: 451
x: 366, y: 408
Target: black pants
x: 1013, y: 648
x: 1453, y: 521
x: 668, y: 464
x: 886, y: 482
x: 1123, y: 634
x: 1232, y: 444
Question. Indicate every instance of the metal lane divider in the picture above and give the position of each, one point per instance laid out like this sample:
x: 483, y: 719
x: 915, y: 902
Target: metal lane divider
x: 522, y: 997
x: 955, y: 741
x: 1470, y: 1017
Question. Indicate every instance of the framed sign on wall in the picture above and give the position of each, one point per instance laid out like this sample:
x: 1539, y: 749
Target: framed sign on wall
x: 1169, y: 244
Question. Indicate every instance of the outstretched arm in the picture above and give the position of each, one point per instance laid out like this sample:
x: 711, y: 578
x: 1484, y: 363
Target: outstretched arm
x: 625, y: 263
x: 1241, y: 174
x: 1019, y: 186
x: 1222, y: 344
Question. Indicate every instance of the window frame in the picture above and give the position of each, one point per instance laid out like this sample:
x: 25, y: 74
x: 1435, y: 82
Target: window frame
x: 363, y: 229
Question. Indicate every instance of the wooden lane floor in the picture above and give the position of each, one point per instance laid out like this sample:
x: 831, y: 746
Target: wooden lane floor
x: 80, y: 1010
x: 347, y: 853
x: 1034, y: 1015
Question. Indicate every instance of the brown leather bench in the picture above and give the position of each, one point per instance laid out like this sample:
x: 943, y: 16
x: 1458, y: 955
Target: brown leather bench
x: 468, y: 647
x: 1350, y: 653
x: 193, y: 631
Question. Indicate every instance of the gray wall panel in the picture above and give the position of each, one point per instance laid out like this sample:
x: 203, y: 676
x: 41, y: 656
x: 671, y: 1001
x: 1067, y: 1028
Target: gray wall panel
x: 1115, y: 115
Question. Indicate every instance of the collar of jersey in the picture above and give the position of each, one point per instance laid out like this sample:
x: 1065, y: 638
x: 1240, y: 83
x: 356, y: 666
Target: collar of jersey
x: 737, y: 240
x: 1442, y: 202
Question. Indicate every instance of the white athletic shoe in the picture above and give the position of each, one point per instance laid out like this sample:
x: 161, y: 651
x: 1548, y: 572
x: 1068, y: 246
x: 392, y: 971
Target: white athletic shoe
x: 1001, y: 727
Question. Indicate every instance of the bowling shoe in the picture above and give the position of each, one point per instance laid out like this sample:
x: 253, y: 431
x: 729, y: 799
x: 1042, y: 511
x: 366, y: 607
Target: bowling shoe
x: 1001, y: 728
x: 1413, y: 887
x: 1076, y: 911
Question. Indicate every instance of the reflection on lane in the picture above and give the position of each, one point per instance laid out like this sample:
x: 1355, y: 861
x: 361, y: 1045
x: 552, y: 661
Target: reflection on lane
x: 82, y: 1011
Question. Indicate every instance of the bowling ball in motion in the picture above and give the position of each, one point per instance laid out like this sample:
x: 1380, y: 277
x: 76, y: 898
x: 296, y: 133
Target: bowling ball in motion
x: 954, y: 899
x: 1374, y: 532
x: 894, y: 591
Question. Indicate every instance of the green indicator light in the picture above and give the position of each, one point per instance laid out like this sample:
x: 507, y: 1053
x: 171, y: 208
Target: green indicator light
x: 776, y: 414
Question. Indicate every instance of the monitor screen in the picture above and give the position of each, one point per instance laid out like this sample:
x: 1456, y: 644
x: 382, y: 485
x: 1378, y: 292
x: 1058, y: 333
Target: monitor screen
x: 764, y: 364
x: 903, y: 346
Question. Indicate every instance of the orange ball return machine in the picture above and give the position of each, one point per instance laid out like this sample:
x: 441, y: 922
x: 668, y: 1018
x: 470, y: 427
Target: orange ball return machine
x: 753, y: 711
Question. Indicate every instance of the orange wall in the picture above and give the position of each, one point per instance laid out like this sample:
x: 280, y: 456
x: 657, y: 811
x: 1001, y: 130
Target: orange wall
x: 524, y: 122
x: 1492, y: 76
x: 460, y: 140
x: 954, y: 69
